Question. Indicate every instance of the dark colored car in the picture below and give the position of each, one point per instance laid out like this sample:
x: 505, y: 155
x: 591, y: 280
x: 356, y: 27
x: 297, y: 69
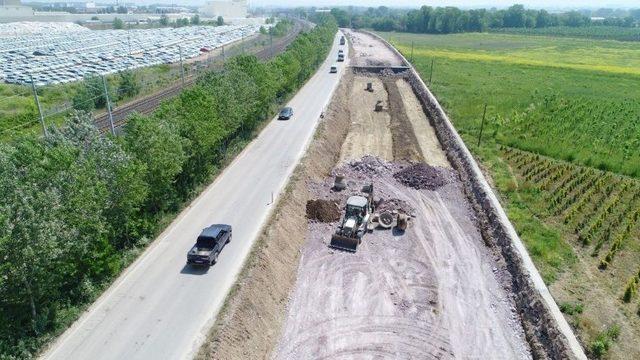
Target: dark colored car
x: 209, y: 245
x: 340, y: 57
x: 285, y: 114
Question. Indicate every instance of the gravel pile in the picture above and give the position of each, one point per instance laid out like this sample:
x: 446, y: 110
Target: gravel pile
x: 393, y: 204
x: 323, y: 210
x: 422, y: 176
x: 368, y: 165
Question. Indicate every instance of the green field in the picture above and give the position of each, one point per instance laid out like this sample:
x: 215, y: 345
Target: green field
x: 591, y: 32
x: 562, y: 144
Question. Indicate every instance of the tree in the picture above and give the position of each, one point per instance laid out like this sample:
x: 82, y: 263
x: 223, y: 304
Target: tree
x: 156, y: 143
x: 118, y: 24
x: 515, y: 17
x: 220, y: 21
x: 83, y: 100
x: 128, y: 84
x: 164, y: 20
x: 543, y: 19
x: 195, y: 19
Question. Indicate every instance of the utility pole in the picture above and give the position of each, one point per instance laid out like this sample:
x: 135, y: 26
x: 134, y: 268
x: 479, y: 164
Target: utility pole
x: 106, y: 96
x: 242, y: 41
x: 181, y: 65
x: 431, y: 72
x: 223, y: 59
x: 482, y: 124
x: 35, y: 96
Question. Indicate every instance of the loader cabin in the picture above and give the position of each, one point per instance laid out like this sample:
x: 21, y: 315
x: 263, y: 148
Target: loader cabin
x: 356, y: 205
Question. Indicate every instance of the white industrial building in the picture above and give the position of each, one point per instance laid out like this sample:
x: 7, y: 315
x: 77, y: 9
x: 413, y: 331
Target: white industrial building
x: 14, y: 9
x: 230, y: 9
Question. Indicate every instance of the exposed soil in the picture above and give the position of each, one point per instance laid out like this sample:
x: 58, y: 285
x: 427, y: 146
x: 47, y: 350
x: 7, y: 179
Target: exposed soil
x: 429, y: 292
x: 370, y: 132
x: 323, y: 210
x: 368, y: 52
x: 423, y: 176
x: 425, y: 135
x: 405, y: 143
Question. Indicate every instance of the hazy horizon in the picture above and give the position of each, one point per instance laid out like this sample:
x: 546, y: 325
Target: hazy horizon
x: 551, y: 4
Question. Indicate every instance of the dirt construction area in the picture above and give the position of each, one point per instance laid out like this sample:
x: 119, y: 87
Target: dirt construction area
x: 434, y: 290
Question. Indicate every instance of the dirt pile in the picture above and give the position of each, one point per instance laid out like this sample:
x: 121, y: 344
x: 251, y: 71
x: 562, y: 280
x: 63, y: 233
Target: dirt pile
x: 422, y: 176
x: 323, y: 210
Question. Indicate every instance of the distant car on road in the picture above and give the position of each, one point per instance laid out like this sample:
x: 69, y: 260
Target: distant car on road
x: 285, y: 113
x: 340, y: 57
x: 209, y: 245
x: 333, y: 70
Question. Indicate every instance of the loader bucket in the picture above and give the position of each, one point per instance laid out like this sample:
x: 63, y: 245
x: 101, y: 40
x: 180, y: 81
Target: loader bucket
x: 344, y: 243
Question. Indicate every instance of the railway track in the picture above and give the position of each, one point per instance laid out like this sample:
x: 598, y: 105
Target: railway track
x: 147, y: 104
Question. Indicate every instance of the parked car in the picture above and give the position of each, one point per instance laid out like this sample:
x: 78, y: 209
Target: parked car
x: 209, y: 245
x: 285, y: 113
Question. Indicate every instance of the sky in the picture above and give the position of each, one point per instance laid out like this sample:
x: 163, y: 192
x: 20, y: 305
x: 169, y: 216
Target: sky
x: 551, y: 4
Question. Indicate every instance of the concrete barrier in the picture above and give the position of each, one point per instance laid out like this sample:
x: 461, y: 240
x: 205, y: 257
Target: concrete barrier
x: 547, y: 331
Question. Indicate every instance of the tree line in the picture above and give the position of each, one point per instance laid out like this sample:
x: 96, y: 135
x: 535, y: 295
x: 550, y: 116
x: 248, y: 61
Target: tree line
x: 77, y: 206
x: 447, y: 20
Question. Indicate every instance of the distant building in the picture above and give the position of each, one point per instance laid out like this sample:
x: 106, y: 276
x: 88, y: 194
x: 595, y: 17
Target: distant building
x: 227, y: 9
x: 14, y: 9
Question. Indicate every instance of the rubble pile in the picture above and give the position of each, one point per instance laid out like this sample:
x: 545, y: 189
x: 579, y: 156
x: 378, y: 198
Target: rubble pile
x: 422, y: 176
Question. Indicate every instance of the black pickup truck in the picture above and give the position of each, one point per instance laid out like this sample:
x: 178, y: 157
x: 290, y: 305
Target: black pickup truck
x: 209, y: 244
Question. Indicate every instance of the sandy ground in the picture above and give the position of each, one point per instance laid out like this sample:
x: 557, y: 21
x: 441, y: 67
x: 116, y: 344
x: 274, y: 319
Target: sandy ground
x: 429, y: 293
x: 369, y: 132
x: 368, y: 51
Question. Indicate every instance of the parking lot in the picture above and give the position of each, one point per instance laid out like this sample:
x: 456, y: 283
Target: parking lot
x: 65, y: 56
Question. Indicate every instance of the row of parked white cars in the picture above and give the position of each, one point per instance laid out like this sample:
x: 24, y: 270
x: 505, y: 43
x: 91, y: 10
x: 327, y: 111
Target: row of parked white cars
x: 66, y: 57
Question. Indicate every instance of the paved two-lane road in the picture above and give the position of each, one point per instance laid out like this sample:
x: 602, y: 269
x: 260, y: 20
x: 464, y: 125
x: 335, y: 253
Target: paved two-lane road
x: 160, y: 308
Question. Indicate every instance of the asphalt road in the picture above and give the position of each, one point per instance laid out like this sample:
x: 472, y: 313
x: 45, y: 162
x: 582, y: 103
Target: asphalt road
x: 161, y: 309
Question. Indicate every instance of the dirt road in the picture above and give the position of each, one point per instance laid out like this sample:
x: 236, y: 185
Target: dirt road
x: 430, y: 292
x: 367, y: 51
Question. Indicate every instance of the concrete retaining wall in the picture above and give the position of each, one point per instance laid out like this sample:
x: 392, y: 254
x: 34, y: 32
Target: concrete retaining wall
x: 548, y: 332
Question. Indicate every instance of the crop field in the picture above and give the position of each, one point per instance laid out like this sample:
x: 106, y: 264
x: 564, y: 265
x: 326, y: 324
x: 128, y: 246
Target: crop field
x: 561, y: 141
x: 591, y: 32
